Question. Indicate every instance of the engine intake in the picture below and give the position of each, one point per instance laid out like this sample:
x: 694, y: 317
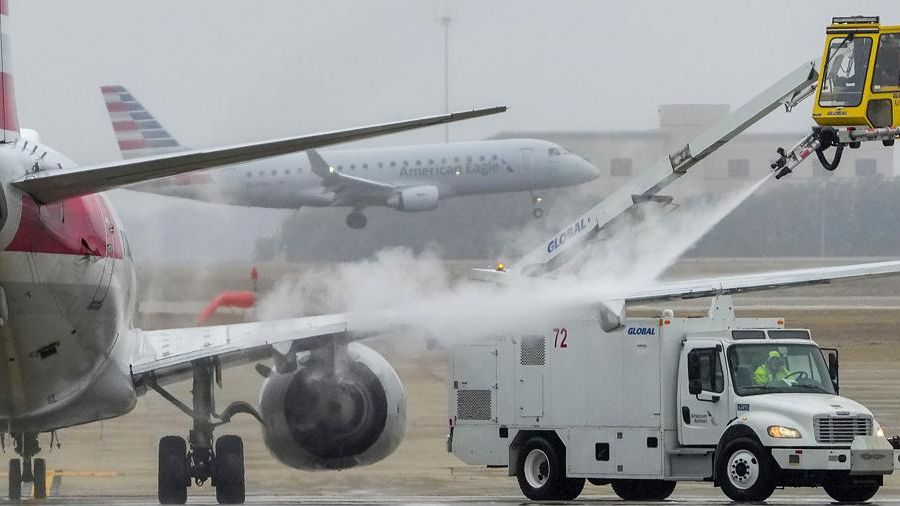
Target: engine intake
x: 414, y: 199
x: 326, y: 417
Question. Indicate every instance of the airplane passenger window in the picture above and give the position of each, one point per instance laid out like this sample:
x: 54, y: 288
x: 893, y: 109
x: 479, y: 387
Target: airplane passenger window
x: 405, y: 163
x: 443, y: 160
x: 430, y: 161
x: 494, y: 158
x: 469, y: 159
x: 352, y: 166
x: 418, y: 162
x: 365, y: 166
x: 481, y: 158
x: 393, y: 164
x: 287, y: 171
x: 274, y: 172
x: 456, y: 159
x: 261, y: 173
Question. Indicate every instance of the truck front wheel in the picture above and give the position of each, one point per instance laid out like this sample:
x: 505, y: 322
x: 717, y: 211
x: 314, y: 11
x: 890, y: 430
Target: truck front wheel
x: 541, y: 471
x: 842, y: 492
x: 746, y: 471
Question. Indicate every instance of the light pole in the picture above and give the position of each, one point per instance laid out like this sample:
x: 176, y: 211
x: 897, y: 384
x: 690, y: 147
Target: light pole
x: 445, y: 22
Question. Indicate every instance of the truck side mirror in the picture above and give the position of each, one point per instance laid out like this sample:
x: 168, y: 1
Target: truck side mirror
x: 833, y: 368
x: 695, y: 386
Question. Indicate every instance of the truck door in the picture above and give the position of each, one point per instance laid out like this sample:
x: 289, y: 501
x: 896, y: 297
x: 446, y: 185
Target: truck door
x: 474, y: 377
x: 703, y: 394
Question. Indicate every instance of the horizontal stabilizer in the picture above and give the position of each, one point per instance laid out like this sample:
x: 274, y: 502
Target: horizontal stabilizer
x: 53, y: 185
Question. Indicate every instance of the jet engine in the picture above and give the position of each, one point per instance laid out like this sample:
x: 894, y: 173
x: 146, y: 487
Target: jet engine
x: 334, y: 413
x: 414, y: 198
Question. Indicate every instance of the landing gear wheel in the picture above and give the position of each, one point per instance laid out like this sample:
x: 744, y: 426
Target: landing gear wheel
x: 40, y: 478
x: 643, y: 490
x: 173, y: 478
x: 15, y: 479
x: 229, y: 470
x: 746, y: 471
x: 540, y: 469
x: 357, y: 220
x: 850, y: 493
x: 538, y: 212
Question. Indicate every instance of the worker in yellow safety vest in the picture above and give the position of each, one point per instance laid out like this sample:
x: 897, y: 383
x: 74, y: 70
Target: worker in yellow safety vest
x: 772, y: 370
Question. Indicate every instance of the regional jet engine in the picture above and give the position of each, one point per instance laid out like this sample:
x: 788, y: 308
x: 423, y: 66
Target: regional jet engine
x: 334, y: 414
x: 414, y: 198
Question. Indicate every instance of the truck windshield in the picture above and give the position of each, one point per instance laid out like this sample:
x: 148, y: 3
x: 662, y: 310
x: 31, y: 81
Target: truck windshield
x: 778, y: 368
x: 845, y: 73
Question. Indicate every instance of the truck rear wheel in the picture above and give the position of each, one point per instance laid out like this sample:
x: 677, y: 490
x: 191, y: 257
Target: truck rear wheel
x: 541, y: 471
x: 841, y: 492
x: 643, y: 490
x: 746, y: 471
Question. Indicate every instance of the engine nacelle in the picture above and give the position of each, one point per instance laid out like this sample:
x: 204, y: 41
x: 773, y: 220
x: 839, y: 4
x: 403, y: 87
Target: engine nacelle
x: 322, y: 418
x: 414, y: 198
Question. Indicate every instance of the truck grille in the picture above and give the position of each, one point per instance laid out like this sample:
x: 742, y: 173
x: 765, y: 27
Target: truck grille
x: 841, y: 429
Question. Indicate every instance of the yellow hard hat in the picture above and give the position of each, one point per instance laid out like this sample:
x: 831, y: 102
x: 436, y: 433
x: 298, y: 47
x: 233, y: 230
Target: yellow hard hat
x: 774, y: 354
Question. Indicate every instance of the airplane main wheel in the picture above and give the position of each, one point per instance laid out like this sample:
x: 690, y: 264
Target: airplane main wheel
x: 173, y: 475
x: 356, y: 221
x: 230, y: 470
x: 15, y: 479
x: 40, y: 478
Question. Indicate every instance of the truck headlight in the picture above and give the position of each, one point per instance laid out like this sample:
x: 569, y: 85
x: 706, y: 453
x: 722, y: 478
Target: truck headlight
x: 879, y: 432
x: 778, y: 431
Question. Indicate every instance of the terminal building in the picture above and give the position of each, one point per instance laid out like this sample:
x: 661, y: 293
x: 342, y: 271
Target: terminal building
x: 621, y: 154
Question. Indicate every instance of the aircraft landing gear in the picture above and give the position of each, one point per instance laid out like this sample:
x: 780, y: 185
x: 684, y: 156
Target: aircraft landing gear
x: 537, y: 200
x: 29, y: 469
x: 198, y: 459
x: 357, y: 220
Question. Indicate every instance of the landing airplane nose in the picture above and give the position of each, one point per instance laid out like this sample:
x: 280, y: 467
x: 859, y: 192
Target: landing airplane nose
x: 586, y: 170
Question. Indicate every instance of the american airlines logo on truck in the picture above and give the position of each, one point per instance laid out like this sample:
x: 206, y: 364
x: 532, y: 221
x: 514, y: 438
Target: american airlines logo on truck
x: 641, y: 331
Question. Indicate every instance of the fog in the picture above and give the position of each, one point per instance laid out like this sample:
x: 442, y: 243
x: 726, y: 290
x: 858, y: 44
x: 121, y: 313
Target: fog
x: 221, y: 71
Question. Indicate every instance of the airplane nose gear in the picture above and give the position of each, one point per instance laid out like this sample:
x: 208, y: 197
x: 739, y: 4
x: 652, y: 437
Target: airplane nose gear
x: 537, y: 200
x: 197, y: 459
x: 28, y: 469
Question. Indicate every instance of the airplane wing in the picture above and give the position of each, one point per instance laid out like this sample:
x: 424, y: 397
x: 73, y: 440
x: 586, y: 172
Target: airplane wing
x: 51, y: 185
x: 166, y: 355
x: 731, y: 285
x: 343, y: 185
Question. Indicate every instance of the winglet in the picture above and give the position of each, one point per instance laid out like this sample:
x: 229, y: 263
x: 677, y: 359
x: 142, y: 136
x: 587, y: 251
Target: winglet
x: 318, y: 164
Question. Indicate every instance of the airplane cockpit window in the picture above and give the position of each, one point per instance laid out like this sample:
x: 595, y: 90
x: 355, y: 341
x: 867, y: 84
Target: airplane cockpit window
x: 845, y: 72
x: 553, y: 152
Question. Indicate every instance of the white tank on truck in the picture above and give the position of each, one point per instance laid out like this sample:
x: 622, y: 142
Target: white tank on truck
x: 743, y: 403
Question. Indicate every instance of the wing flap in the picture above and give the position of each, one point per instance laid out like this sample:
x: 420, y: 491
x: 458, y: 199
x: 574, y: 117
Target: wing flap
x: 53, y: 185
x: 168, y: 353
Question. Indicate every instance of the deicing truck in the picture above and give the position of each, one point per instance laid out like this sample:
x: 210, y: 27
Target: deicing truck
x: 743, y: 403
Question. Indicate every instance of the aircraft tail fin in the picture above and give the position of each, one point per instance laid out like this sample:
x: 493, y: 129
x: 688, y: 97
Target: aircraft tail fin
x: 9, y: 120
x: 138, y: 132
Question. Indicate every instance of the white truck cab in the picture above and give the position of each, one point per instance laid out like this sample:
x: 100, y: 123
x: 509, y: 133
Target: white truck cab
x: 744, y: 403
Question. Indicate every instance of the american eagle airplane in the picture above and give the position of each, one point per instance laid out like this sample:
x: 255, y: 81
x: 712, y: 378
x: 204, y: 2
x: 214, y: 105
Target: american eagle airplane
x: 71, y: 355
x: 409, y: 178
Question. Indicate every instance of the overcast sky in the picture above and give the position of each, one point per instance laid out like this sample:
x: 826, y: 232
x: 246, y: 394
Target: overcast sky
x: 225, y: 71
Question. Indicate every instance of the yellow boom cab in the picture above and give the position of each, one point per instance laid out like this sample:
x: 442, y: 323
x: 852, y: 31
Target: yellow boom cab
x: 859, y: 82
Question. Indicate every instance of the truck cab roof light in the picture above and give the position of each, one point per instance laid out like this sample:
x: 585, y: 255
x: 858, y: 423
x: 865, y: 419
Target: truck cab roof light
x: 856, y: 20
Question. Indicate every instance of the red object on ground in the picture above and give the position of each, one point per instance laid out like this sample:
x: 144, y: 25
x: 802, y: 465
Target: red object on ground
x: 227, y: 299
